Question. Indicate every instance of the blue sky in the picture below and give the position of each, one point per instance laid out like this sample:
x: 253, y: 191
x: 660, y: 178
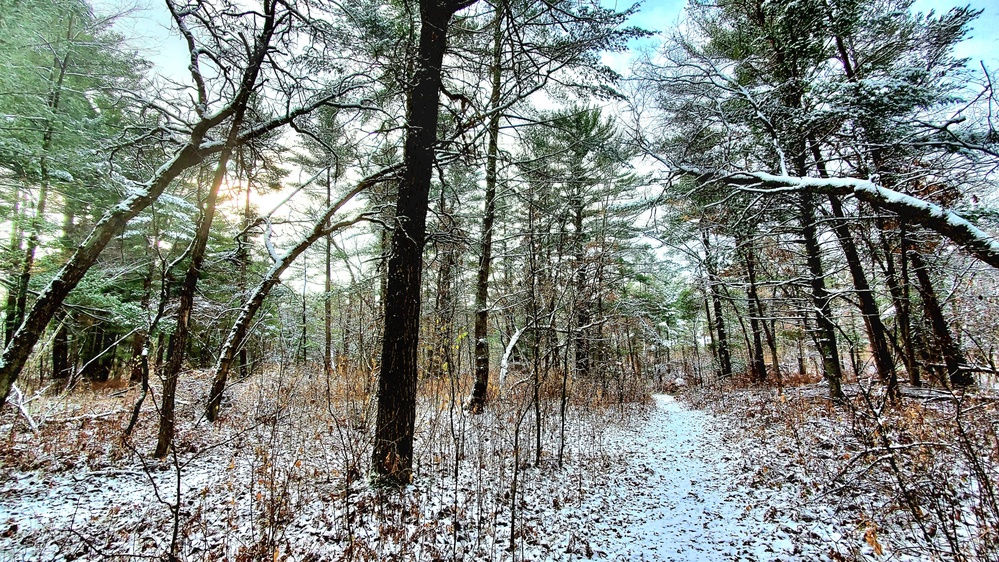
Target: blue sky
x: 149, y: 24
x: 657, y: 15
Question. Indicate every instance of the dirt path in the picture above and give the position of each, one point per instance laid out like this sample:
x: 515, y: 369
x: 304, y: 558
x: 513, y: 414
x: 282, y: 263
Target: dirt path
x: 684, y: 494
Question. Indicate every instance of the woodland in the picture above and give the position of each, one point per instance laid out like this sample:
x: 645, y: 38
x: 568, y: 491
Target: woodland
x: 443, y: 279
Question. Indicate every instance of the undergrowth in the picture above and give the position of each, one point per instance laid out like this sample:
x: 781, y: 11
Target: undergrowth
x: 283, y: 474
x: 914, y: 480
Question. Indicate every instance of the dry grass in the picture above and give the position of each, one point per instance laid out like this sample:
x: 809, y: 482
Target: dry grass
x: 917, y: 478
x: 282, y: 475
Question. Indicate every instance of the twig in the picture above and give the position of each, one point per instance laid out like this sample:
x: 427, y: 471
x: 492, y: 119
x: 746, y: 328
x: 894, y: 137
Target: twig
x: 85, y: 417
x: 19, y: 401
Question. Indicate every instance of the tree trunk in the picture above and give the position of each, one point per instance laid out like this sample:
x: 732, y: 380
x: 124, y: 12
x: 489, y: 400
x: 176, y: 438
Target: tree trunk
x: 244, y: 263
x: 178, y: 343
x: 441, y: 361
x: 303, y: 339
x: 711, y: 333
x: 15, y: 250
x: 61, y: 365
x: 478, y: 397
x: 876, y: 333
x: 392, y: 455
x: 710, y: 264
x: 898, y: 285
x: 327, y: 299
x: 581, y: 304
x: 825, y: 328
x: 23, y: 279
x: 908, y: 208
x: 757, y: 365
x: 952, y: 356
x: 98, y: 354
x: 28, y: 261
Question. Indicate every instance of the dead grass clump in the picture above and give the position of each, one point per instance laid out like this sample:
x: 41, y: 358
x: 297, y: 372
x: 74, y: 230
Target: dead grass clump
x: 918, y: 478
x: 283, y: 474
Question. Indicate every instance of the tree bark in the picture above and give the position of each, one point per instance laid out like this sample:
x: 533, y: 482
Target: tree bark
x: 581, y: 304
x: 478, y: 397
x: 876, y: 332
x: 440, y: 361
x: 825, y: 328
x: 898, y: 284
x: 178, y: 343
x: 327, y: 298
x: 757, y: 365
x: 10, y: 323
x: 244, y: 262
x: 711, y: 265
x: 20, y: 289
x: 952, y: 356
x: 392, y: 454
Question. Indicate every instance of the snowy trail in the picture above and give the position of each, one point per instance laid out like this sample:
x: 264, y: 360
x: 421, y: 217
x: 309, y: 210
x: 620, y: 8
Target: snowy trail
x: 666, y: 485
x: 678, y: 498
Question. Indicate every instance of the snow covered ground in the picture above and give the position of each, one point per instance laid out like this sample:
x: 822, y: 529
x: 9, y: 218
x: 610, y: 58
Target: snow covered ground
x: 639, y: 483
x: 678, y: 492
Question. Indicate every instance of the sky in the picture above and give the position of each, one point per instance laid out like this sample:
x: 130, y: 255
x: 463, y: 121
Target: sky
x: 149, y: 23
x: 983, y: 44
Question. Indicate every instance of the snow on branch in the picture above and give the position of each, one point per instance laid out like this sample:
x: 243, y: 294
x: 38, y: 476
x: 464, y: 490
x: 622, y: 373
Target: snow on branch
x: 911, y: 209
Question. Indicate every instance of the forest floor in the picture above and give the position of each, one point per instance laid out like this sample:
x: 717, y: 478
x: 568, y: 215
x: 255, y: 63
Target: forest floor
x: 684, y: 489
x: 728, y: 479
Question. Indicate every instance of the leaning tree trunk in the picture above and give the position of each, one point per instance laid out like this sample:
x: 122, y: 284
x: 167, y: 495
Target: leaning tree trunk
x: 952, y: 355
x: 825, y: 328
x: 876, y: 332
x: 181, y: 333
x: 233, y: 342
x: 392, y: 455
